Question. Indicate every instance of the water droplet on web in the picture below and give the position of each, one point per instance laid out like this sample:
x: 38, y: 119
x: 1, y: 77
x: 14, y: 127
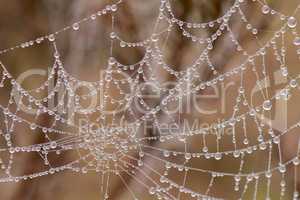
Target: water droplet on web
x: 292, y: 22
x: 282, y: 183
x: 152, y: 190
x: 276, y: 140
x: 296, y: 161
x: 297, y: 41
x: 11, y: 150
x: 113, y: 35
x: 33, y: 126
x: 187, y: 156
x: 114, y: 7
x: 140, y: 163
x: 262, y: 146
x: 154, y: 38
x: 51, y: 171
x: 268, y: 174
x: 293, y: 83
x: 51, y: 37
x: 285, y: 94
x: 53, y: 145
x: 254, y: 31
x: 218, y: 156
x: 205, y: 149
x: 236, y: 154
x: 141, y: 154
x: 236, y: 188
x: 93, y: 17
x: 246, y: 141
x: 265, y: 9
x: 122, y: 44
x: 166, y: 153
x: 75, y: 26
x: 237, y: 178
x: 162, y: 179
x: 111, y: 61
x: 260, y: 138
x: 282, y: 168
x: 267, y: 105
x: 284, y: 71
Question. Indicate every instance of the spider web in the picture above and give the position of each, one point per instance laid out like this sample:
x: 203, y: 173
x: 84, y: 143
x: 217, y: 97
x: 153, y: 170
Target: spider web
x: 114, y: 139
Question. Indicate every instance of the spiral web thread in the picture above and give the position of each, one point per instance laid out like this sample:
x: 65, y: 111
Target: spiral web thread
x: 116, y: 150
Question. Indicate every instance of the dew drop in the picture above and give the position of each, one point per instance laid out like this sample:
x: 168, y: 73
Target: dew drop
x: 236, y: 154
x: 93, y: 17
x: 246, y: 141
x: 75, y: 26
x: 111, y: 61
x: 267, y: 105
x: 33, y: 126
x: 236, y: 188
x: 162, y: 179
x: 141, y: 154
x: 166, y: 154
x: 293, y: 83
x: 218, y: 156
x: 292, y: 22
x: 11, y: 150
x: 265, y: 9
x: 296, y: 161
x: 152, y: 190
x: 51, y: 171
x: 282, y: 168
x: 284, y: 71
x: 268, y: 174
x: 51, y: 37
x: 276, y: 140
x: 122, y: 44
x: 53, y: 145
x: 140, y: 163
x: 297, y: 41
x: 154, y: 38
x: 114, y: 7
x: 113, y: 35
x: 188, y: 156
x: 254, y: 31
